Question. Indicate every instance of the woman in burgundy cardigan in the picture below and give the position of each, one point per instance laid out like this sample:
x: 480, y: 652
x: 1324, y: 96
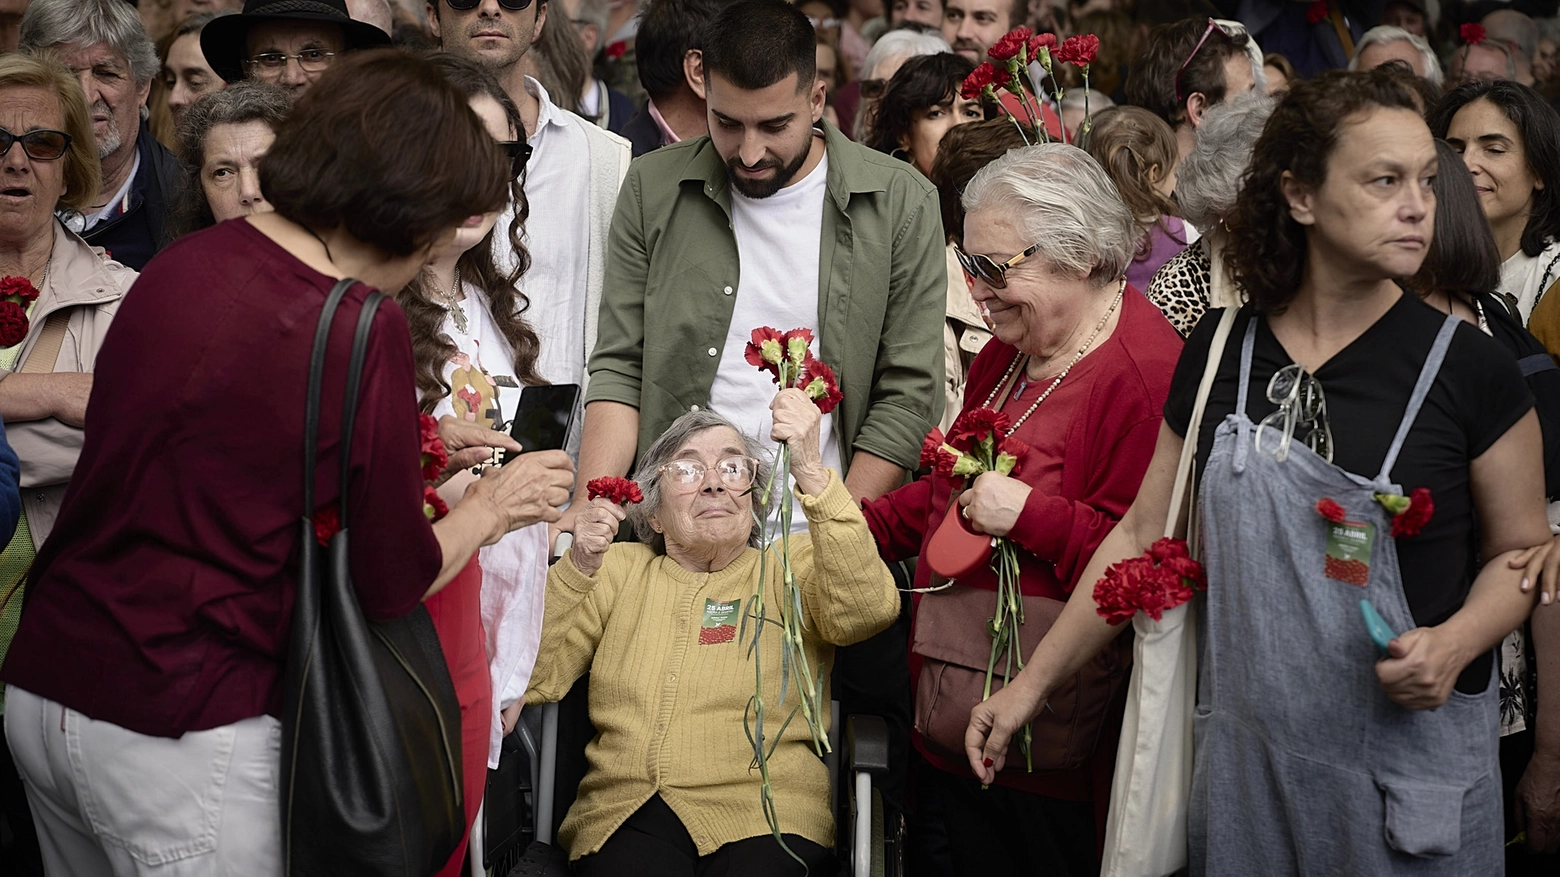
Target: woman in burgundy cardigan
x: 1081, y: 364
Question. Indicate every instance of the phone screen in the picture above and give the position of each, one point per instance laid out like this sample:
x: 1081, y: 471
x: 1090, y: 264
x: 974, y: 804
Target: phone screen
x: 544, y: 416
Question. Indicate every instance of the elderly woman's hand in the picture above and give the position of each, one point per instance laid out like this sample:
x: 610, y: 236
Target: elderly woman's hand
x: 471, y: 444
x: 594, y: 529
x: 796, y: 423
x: 527, y: 489
x: 993, y: 504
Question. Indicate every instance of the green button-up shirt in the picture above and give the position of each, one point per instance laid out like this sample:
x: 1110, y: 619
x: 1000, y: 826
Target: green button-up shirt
x: 673, y: 276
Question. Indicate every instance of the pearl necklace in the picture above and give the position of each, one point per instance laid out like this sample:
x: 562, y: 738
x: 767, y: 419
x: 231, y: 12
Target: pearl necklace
x: 1017, y: 360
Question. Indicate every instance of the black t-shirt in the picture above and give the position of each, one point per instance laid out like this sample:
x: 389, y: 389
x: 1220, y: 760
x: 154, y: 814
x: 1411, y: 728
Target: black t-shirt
x: 1477, y: 396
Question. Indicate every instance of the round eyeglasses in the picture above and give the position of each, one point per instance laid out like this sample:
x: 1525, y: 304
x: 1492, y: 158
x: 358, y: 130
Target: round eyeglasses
x: 736, y: 473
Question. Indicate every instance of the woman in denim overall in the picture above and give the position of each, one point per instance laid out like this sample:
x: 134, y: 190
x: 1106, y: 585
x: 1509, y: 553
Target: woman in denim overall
x: 1313, y: 753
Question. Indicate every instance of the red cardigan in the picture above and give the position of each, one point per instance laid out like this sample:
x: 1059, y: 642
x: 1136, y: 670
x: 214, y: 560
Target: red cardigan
x: 1113, y: 401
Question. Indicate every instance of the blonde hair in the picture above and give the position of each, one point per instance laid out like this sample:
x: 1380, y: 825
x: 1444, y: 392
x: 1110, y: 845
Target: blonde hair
x: 31, y: 68
x: 1137, y: 149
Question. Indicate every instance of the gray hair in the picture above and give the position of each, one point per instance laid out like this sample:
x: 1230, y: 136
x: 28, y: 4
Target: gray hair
x: 1208, y: 179
x: 595, y: 12
x: 1386, y: 33
x: 901, y: 42
x: 115, y: 23
x: 1060, y: 197
x: 664, y: 449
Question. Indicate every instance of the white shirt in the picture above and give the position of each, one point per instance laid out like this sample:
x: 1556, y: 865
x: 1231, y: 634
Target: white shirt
x: 557, y: 187
x: 1527, y: 278
x: 778, y: 240
x: 514, y: 570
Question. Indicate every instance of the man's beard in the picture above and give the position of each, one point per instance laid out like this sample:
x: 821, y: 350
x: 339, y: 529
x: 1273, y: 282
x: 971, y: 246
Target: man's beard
x: 110, y: 142
x: 971, y: 46
x: 784, y: 173
x: 469, y: 49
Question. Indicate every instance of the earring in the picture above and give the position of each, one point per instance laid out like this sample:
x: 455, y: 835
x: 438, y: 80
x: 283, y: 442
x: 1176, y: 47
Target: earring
x: 902, y: 154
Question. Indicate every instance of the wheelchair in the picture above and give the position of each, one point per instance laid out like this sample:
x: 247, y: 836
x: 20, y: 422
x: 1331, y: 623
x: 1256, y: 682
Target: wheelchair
x: 543, y: 763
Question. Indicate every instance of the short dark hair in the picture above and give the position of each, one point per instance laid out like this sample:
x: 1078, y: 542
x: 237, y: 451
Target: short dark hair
x: 922, y: 82
x: 757, y: 43
x: 668, y: 31
x: 1267, y: 248
x: 1151, y: 83
x: 1539, y: 125
x: 244, y: 101
x: 965, y: 149
x: 385, y: 147
x: 1463, y: 258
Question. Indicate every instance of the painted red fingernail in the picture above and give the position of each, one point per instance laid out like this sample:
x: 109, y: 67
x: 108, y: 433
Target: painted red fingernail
x: 988, y: 762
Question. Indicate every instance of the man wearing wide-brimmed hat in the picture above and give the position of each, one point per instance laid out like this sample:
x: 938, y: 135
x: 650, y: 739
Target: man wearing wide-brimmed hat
x: 285, y: 42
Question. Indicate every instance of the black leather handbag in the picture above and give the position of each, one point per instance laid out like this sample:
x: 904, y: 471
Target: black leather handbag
x: 371, y: 760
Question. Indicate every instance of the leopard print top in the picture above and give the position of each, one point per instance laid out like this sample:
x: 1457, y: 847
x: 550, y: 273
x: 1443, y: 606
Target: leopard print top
x: 1181, y: 287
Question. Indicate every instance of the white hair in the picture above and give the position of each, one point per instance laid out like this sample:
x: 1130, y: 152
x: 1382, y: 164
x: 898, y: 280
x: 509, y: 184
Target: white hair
x: 1208, y: 179
x: 114, y: 23
x: 901, y: 42
x: 1386, y: 33
x: 1058, y: 196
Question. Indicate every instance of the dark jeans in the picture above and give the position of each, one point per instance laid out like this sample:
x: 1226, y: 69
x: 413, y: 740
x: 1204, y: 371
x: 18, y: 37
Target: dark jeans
x: 999, y: 831
x: 654, y: 843
x: 1515, y: 751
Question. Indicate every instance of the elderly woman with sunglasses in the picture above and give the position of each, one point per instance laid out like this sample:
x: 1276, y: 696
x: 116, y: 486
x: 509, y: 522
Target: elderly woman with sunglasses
x: 1317, y: 750
x: 1080, y: 366
x: 668, y: 789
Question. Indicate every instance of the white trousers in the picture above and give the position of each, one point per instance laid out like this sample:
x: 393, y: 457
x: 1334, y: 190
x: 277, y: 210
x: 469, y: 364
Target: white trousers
x: 109, y: 802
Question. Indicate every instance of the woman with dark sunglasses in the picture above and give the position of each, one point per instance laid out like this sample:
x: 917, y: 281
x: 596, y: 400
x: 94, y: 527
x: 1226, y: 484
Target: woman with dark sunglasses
x: 1080, y: 366
x: 1324, y: 745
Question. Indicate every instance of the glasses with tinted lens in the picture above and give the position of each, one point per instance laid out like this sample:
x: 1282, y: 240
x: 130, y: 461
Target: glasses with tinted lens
x: 872, y: 89
x: 43, y: 144
x: 1302, y: 411
x: 1212, y: 26
x: 988, y: 269
x: 519, y: 153
x: 468, y: 5
x: 273, y: 63
x: 736, y: 473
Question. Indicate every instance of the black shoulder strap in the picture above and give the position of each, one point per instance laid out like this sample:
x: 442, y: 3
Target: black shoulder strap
x: 311, y: 417
x: 365, y: 325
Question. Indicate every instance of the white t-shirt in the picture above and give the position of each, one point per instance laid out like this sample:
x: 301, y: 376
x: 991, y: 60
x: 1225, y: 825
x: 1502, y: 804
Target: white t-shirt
x: 483, y: 390
x: 778, y: 240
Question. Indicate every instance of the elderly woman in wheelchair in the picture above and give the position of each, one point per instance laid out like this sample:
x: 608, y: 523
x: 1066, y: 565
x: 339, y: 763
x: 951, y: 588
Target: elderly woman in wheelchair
x: 669, y: 789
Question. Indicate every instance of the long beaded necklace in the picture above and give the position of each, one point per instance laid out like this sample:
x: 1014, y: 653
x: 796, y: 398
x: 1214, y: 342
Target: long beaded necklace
x: 1017, y: 360
x: 452, y: 304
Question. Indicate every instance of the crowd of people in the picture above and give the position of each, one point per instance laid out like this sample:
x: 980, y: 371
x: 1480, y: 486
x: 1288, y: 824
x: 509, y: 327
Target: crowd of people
x: 1311, y: 242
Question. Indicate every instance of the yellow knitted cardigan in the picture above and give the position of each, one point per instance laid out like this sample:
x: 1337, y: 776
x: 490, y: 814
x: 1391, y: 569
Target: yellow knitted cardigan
x: 669, y: 679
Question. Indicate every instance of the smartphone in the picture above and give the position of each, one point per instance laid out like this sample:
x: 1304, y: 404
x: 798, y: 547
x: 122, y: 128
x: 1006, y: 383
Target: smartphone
x: 544, y: 417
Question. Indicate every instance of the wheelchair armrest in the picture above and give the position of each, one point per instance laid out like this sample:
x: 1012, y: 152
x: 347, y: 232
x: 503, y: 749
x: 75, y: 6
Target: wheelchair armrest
x: 866, y: 744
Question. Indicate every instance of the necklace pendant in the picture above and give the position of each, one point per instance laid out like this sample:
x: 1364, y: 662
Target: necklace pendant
x: 459, y: 313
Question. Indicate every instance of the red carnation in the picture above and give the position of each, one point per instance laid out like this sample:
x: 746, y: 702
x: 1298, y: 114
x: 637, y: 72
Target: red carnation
x: 327, y: 523
x: 1167, y: 548
x: 974, y: 426
x: 20, y: 287
x: 766, y: 350
x: 1413, y: 519
x: 1330, y: 510
x: 1189, y: 570
x: 1011, y: 42
x: 1079, y: 51
x: 820, y: 385
x: 1038, y: 41
x: 434, y: 456
x: 975, y: 84
x: 931, y: 447
x: 1317, y: 12
x: 1472, y: 33
x: 616, y: 49
x: 433, y: 504
x: 1116, y: 595
x: 13, y: 324
x: 620, y: 490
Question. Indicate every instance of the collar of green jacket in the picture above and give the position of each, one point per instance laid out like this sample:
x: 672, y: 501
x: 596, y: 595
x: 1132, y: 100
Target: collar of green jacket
x: 848, y: 172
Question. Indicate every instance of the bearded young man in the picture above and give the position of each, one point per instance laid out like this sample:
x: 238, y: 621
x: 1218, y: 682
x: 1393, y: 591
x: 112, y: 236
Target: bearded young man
x: 775, y: 219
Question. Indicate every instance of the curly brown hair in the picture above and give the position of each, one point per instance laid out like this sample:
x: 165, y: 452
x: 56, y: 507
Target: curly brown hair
x: 1267, y: 251
x: 431, y: 348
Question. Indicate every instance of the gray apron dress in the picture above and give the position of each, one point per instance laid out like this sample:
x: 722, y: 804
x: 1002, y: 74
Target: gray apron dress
x: 1303, y: 765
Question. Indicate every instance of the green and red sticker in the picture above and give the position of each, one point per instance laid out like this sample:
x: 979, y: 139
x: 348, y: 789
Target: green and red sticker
x: 1348, y: 551
x: 720, y: 622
